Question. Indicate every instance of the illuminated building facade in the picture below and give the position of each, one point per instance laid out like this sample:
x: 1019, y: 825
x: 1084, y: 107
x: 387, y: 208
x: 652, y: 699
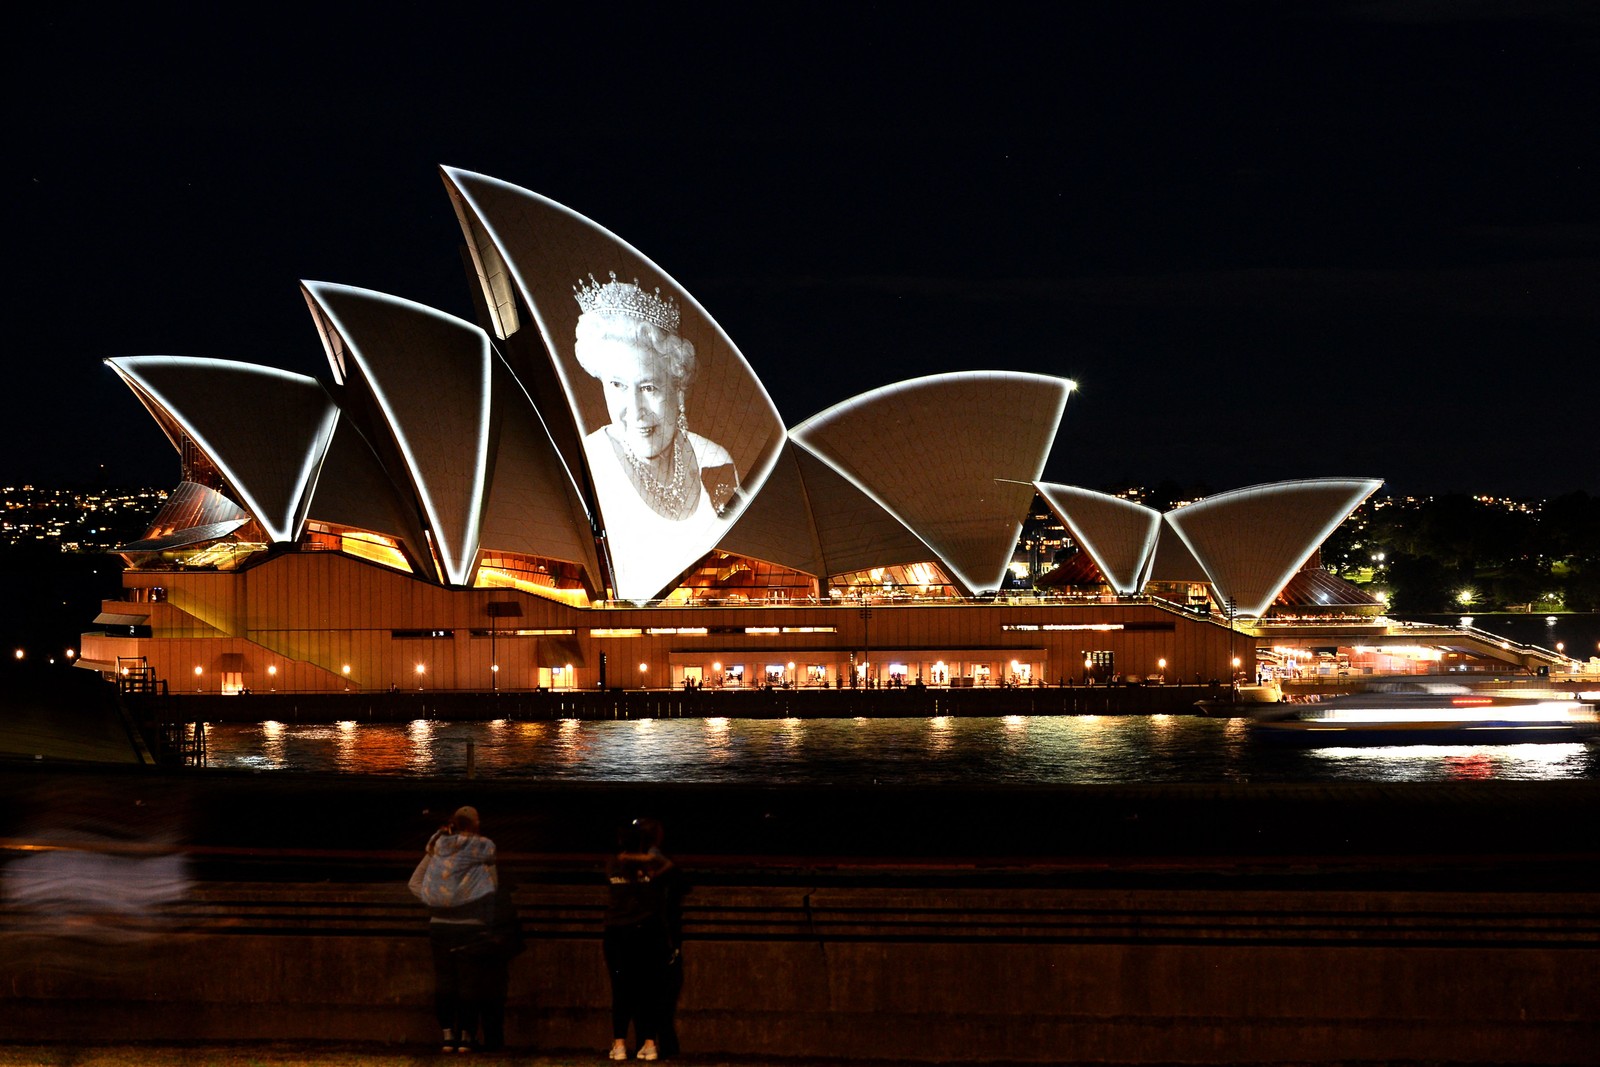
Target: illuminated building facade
x: 593, y: 488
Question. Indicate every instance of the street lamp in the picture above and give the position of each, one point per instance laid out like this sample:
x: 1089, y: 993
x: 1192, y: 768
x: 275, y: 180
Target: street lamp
x: 866, y: 645
x: 497, y: 610
x: 1233, y: 613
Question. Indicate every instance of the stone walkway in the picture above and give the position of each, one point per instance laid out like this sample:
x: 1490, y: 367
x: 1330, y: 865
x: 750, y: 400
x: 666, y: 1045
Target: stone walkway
x: 334, y: 1055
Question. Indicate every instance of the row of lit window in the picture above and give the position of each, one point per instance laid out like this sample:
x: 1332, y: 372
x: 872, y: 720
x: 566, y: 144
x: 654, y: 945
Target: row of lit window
x: 1030, y: 626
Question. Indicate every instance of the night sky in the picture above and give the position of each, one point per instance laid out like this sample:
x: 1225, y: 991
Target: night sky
x: 1268, y: 240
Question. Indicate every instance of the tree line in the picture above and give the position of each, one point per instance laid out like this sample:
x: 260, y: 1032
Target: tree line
x: 1457, y: 551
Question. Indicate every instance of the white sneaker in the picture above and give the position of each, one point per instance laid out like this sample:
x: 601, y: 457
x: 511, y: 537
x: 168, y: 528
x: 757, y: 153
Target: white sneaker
x: 647, y: 1052
x: 618, y: 1052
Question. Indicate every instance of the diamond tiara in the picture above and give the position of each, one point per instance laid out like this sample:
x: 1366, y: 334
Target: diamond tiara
x: 626, y: 298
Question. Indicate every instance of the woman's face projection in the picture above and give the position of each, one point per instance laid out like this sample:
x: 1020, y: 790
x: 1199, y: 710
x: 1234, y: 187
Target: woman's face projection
x: 641, y: 396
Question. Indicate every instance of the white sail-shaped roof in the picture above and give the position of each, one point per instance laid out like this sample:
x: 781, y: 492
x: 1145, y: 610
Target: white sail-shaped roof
x: 265, y: 430
x: 548, y: 251
x: 1119, y: 535
x: 855, y: 531
x: 812, y: 519
x: 1172, y: 561
x: 777, y: 525
x: 353, y: 489
x: 429, y: 374
x: 952, y: 456
x: 1251, y: 541
x: 533, y: 506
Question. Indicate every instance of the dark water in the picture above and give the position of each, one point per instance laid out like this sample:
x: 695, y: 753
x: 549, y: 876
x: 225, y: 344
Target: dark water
x: 1011, y: 751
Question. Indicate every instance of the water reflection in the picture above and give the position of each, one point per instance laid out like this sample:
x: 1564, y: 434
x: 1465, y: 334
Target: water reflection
x: 420, y: 760
x: 1016, y: 750
x: 718, y: 750
x: 270, y: 753
x: 569, y: 744
x: 1429, y: 763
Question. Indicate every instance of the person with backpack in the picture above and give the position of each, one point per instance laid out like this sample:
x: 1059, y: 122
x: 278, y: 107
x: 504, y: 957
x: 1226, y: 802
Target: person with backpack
x: 457, y: 880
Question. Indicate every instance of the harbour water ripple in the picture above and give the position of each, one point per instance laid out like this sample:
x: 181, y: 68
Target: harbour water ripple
x: 1017, y: 750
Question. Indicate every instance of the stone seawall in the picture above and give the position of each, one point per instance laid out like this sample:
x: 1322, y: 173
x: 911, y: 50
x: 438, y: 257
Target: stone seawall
x: 971, y: 973
x: 1223, y: 923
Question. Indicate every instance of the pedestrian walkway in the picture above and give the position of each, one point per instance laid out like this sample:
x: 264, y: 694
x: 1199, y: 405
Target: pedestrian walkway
x: 287, y: 1054
x: 334, y: 1055
x: 280, y: 1055
x: 276, y: 1055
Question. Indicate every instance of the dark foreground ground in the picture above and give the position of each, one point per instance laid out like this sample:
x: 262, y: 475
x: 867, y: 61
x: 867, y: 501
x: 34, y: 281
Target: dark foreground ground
x: 263, y: 827
x: 1199, y: 924
x: 335, y: 1055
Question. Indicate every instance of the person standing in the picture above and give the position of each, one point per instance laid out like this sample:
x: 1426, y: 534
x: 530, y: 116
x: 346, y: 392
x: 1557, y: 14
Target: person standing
x: 640, y: 937
x: 457, y: 881
x: 494, y: 950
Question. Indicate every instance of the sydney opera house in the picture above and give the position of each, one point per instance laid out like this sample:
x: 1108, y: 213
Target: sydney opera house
x: 591, y: 488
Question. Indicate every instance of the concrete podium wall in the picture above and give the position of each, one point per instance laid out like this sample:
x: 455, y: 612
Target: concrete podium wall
x: 930, y: 974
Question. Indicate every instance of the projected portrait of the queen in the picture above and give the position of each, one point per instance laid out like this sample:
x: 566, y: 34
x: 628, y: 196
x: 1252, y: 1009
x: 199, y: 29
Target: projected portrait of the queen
x: 654, y: 477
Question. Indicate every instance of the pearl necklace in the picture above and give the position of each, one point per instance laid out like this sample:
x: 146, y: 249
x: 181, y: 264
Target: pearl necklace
x: 675, y: 498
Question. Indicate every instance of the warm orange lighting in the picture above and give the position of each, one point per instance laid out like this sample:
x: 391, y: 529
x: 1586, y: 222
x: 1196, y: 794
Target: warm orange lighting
x: 1161, y: 664
x: 1471, y: 702
x: 347, y: 668
x: 19, y: 655
x: 421, y: 669
x: 73, y: 652
x: 643, y: 667
x: 717, y: 667
x: 1236, y: 662
x: 198, y: 672
x: 272, y: 669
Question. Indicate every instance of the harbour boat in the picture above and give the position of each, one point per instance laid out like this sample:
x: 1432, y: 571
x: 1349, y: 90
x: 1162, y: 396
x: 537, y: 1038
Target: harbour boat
x: 1432, y: 715
x: 1243, y: 699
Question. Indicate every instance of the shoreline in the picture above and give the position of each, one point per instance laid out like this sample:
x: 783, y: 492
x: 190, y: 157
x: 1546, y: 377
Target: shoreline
x: 913, y: 701
x: 625, y: 704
